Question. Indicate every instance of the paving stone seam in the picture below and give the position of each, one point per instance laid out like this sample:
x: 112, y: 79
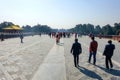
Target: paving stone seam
x: 7, y: 75
x: 62, y: 41
x: 44, y: 62
x: 16, y: 51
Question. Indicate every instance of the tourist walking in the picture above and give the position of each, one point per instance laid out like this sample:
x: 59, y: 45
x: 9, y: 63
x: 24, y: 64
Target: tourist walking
x: 93, y: 50
x: 57, y: 38
x: 108, y: 52
x: 75, y: 35
x: 2, y: 37
x: 76, y: 50
x: 21, y: 37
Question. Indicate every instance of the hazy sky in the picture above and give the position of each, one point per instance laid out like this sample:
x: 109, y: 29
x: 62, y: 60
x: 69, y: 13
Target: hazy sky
x: 60, y: 13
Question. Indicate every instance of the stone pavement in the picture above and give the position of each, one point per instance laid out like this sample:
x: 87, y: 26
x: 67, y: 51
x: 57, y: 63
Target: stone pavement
x: 53, y: 66
x: 21, y: 61
x: 39, y: 58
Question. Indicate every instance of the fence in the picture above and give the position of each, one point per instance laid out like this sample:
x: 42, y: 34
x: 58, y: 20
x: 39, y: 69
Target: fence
x: 5, y: 35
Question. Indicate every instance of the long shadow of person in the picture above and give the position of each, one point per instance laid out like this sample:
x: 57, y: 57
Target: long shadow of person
x: 89, y: 73
x: 111, y: 71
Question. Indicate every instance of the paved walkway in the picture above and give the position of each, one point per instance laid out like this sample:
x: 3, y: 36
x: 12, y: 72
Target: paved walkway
x: 21, y: 61
x: 53, y: 67
x: 39, y: 58
x: 56, y: 67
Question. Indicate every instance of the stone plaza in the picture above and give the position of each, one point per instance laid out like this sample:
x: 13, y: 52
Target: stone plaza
x: 40, y: 58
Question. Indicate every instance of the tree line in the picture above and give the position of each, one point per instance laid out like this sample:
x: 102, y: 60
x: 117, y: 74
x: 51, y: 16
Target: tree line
x: 91, y: 29
x: 36, y: 28
x: 83, y: 29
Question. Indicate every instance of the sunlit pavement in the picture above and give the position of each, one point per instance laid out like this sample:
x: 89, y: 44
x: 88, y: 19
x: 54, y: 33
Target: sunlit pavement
x: 20, y: 61
x: 53, y: 66
x: 39, y: 58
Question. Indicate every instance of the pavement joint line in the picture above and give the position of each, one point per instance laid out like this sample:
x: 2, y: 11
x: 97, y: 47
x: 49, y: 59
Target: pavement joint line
x: 5, y: 71
x: 115, y: 62
x: 23, y: 77
x: 2, y: 57
x: 7, y: 75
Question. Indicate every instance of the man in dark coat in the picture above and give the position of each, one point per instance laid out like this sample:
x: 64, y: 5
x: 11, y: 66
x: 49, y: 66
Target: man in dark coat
x: 21, y: 37
x: 76, y: 50
x: 108, y: 52
x: 2, y: 37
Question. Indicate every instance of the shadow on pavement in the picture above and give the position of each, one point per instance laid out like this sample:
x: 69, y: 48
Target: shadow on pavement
x: 60, y: 44
x: 110, y: 71
x: 89, y: 73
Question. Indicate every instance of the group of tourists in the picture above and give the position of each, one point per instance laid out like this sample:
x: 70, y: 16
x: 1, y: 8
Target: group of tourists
x: 76, y: 50
x: 61, y: 35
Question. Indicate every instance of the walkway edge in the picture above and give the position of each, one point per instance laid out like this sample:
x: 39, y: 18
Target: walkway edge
x: 53, y: 66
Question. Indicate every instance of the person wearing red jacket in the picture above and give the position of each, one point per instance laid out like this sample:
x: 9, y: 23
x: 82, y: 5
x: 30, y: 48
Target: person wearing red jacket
x: 93, y: 50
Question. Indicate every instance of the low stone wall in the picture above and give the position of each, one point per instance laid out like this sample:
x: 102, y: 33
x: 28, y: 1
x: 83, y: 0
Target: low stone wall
x: 114, y: 37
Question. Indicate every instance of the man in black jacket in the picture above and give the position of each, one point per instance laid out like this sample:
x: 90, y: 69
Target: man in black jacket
x: 108, y: 52
x: 76, y: 50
